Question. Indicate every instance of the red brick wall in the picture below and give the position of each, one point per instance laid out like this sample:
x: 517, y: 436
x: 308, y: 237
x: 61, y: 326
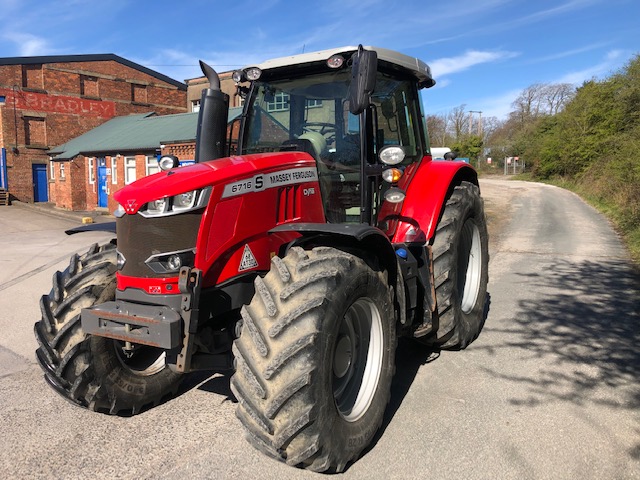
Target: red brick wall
x: 60, y: 190
x: 54, y: 94
x: 184, y: 151
x: 85, y: 196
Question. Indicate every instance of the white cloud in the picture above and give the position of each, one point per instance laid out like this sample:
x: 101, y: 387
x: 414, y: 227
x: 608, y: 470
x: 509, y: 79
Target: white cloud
x: 568, y: 53
x: 612, y: 61
x: 497, y: 106
x: 446, y: 66
x: 29, y: 45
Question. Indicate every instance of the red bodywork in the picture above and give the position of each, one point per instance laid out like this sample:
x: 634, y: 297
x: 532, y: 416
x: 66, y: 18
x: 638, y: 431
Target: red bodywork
x: 426, y: 184
x: 233, y: 221
x: 426, y: 195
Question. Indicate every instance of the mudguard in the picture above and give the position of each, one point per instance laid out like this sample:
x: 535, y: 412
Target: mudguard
x: 93, y: 227
x: 370, y: 239
x: 426, y: 196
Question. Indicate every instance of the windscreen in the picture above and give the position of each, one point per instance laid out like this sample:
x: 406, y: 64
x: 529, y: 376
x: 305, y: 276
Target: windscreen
x: 311, y: 114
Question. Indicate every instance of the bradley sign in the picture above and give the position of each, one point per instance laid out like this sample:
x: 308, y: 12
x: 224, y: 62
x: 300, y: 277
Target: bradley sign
x: 41, y: 102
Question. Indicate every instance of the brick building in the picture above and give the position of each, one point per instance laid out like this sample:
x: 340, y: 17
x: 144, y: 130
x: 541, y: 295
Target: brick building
x: 196, y: 85
x: 87, y: 170
x: 46, y: 101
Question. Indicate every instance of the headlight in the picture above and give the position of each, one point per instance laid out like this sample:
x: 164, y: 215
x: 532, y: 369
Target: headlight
x: 253, y: 73
x: 120, y: 260
x: 394, y: 195
x: 167, y: 162
x: 119, y: 211
x: 392, y: 155
x: 157, y: 207
x: 180, y: 203
x: 238, y: 76
x: 171, y: 262
x: 335, y: 61
x: 184, y: 201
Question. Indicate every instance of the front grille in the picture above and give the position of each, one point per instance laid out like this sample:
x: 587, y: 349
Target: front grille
x: 140, y: 237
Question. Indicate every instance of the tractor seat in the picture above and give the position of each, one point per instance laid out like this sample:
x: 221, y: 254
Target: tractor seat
x: 312, y: 143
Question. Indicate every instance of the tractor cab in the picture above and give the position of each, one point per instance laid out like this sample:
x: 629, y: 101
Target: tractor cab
x: 356, y: 111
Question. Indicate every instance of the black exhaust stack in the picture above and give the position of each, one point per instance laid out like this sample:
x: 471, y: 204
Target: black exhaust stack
x: 211, y: 135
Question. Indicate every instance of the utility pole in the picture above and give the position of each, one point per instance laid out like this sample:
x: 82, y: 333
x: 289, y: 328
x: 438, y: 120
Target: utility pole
x: 479, y: 130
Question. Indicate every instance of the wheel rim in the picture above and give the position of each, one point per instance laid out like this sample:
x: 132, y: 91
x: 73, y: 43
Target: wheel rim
x: 357, y: 359
x: 469, y: 265
x: 140, y: 359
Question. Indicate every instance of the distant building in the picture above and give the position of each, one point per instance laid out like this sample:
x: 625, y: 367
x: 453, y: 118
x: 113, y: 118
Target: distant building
x: 46, y: 101
x: 227, y: 85
x: 88, y: 169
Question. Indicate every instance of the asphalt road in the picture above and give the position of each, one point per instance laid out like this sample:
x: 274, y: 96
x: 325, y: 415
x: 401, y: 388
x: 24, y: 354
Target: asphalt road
x: 550, y: 390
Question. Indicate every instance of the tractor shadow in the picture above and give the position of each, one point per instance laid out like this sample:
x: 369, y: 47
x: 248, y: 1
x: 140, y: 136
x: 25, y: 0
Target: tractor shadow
x: 580, y: 336
x: 410, y: 357
x: 218, y: 383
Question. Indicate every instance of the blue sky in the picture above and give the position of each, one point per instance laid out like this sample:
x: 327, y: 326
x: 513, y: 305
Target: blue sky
x: 482, y: 52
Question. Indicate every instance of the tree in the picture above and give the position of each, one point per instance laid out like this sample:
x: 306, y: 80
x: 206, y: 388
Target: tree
x: 458, y: 121
x: 469, y: 146
x: 541, y: 99
x: 437, y: 128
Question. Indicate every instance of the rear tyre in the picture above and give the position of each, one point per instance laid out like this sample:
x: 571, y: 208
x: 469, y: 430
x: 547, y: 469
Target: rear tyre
x: 95, y: 372
x: 461, y: 266
x: 315, y: 359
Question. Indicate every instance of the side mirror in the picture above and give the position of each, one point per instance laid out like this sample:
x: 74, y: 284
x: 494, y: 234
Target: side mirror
x: 451, y: 155
x: 363, y: 79
x: 387, y: 108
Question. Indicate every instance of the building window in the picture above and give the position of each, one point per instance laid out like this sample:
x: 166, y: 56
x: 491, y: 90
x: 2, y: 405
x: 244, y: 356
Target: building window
x: 129, y: 169
x: 151, y: 165
x: 280, y: 103
x: 32, y: 77
x: 62, y: 176
x: 195, y: 105
x: 52, y: 171
x: 92, y: 171
x: 114, y: 170
x: 138, y: 93
x: 35, y: 131
x: 88, y: 86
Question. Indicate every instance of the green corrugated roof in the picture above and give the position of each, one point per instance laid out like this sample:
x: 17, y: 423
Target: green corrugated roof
x: 131, y: 133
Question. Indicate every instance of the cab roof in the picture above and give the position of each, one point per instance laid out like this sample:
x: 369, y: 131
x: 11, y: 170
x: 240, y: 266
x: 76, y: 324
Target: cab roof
x: 413, y: 65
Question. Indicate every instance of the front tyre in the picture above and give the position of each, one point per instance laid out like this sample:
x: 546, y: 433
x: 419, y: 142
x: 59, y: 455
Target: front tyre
x: 97, y: 373
x: 461, y: 266
x: 315, y: 358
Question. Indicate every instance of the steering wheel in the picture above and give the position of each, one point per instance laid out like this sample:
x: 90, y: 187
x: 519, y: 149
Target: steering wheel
x: 326, y: 129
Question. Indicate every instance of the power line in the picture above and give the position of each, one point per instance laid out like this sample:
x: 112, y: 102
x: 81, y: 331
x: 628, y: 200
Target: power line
x: 193, y: 65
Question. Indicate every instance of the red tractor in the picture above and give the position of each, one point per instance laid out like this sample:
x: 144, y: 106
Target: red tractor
x: 295, y: 264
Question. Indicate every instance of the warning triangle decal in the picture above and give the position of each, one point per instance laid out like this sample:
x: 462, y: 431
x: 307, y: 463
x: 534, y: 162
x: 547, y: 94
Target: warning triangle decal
x: 248, y: 260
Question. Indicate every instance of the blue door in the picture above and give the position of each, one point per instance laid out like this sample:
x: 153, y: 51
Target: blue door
x: 102, y: 186
x: 40, y: 193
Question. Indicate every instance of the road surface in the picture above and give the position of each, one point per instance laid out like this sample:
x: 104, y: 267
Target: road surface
x: 550, y: 389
